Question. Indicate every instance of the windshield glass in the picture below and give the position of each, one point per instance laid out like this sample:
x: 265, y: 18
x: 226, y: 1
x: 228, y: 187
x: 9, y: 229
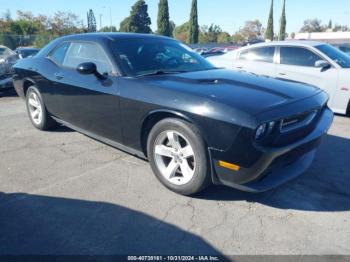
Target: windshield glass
x: 336, y: 55
x: 147, y: 56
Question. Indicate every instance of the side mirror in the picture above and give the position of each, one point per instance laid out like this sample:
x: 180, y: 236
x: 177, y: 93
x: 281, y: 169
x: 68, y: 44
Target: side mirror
x: 322, y: 64
x: 89, y: 69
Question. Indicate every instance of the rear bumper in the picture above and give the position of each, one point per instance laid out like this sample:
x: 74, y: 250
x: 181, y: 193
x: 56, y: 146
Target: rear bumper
x: 276, y: 165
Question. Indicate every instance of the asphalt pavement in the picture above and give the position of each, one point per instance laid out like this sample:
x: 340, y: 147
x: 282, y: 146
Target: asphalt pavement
x: 64, y: 193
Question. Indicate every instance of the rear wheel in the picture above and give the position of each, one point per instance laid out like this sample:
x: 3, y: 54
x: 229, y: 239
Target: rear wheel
x: 177, y: 155
x: 37, y: 111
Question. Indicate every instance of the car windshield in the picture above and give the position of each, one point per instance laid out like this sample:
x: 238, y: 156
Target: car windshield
x: 336, y: 55
x: 157, y: 56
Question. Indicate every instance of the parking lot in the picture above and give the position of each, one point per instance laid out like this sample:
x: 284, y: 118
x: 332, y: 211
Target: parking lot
x: 64, y: 193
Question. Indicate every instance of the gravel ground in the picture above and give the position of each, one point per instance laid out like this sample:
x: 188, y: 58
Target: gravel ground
x: 64, y: 193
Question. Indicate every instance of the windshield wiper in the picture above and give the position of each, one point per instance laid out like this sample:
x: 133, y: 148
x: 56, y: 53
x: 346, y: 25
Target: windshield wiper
x: 161, y: 72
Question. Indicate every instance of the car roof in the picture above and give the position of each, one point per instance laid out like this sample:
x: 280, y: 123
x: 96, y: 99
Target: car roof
x: 111, y: 36
x: 100, y: 37
x: 287, y: 42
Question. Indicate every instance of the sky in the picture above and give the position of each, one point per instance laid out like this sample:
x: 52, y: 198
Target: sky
x: 229, y: 14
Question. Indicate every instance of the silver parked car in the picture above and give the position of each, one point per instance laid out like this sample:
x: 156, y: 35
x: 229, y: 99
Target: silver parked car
x: 313, y: 63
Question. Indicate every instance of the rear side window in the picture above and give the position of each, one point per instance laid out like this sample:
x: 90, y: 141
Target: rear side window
x: 262, y: 54
x: 58, y: 54
x: 298, y: 56
x: 87, y: 52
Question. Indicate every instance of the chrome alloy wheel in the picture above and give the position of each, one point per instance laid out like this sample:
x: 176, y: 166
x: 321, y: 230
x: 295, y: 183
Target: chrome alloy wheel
x: 174, y: 157
x: 35, y: 108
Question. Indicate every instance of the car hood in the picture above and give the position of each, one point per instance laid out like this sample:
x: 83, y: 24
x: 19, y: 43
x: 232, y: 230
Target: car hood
x: 247, y: 92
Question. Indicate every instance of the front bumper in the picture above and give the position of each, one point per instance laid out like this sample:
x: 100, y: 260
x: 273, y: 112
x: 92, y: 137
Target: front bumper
x: 276, y: 165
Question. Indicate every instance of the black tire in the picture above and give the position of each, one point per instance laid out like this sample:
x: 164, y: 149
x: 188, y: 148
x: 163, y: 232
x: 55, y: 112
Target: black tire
x: 201, y: 176
x: 47, y: 122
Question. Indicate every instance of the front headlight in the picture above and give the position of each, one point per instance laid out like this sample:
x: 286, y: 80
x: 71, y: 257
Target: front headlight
x: 260, y: 131
x: 2, y: 60
x: 264, y: 130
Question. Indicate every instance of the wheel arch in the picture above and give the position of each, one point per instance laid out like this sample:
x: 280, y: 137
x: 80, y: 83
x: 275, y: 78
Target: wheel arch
x: 154, y: 117
x: 26, y: 84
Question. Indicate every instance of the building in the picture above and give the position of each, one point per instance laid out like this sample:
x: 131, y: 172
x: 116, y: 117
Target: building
x: 329, y: 37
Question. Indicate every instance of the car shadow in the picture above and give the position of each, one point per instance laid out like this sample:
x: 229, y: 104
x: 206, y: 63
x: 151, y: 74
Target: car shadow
x: 324, y: 187
x: 61, y: 129
x: 43, y: 225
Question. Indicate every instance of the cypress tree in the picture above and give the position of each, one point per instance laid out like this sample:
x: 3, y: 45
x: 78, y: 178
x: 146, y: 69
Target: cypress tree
x: 330, y: 24
x: 138, y: 21
x: 193, y: 34
x: 269, y: 30
x: 283, y: 23
x: 163, y: 18
x: 91, y: 21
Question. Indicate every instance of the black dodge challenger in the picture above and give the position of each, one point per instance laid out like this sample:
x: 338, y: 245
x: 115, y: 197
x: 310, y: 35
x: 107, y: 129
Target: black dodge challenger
x: 155, y: 98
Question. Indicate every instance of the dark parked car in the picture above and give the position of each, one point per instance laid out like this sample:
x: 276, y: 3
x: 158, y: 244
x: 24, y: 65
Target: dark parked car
x: 24, y: 52
x: 156, y: 98
x: 7, y: 59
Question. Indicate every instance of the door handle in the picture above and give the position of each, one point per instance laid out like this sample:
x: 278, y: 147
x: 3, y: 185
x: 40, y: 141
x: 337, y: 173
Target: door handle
x: 59, y: 75
x: 282, y: 74
x: 239, y: 67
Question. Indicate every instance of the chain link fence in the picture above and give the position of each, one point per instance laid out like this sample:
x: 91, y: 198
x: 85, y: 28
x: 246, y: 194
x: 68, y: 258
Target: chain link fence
x: 13, y: 41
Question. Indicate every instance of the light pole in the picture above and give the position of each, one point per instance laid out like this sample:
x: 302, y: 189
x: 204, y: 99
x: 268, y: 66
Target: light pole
x: 101, y: 21
x: 110, y: 15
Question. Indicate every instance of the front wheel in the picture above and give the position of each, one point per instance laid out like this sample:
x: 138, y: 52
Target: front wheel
x: 177, y: 155
x: 37, y: 111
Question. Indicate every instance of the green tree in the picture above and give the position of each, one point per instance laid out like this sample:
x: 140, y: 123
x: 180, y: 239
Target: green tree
x: 125, y: 25
x: 138, y: 21
x: 224, y: 38
x: 209, y: 34
x: 43, y: 39
x: 283, y: 23
x: 7, y: 40
x: 251, y: 30
x: 108, y: 29
x: 193, y: 34
x: 181, y: 32
x: 164, y: 27
x: 330, y: 24
x: 91, y: 21
x: 172, y: 27
x: 340, y: 28
x: 64, y: 23
x: 312, y: 25
x: 269, y: 34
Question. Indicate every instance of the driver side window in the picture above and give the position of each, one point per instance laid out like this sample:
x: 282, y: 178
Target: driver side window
x: 79, y: 53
